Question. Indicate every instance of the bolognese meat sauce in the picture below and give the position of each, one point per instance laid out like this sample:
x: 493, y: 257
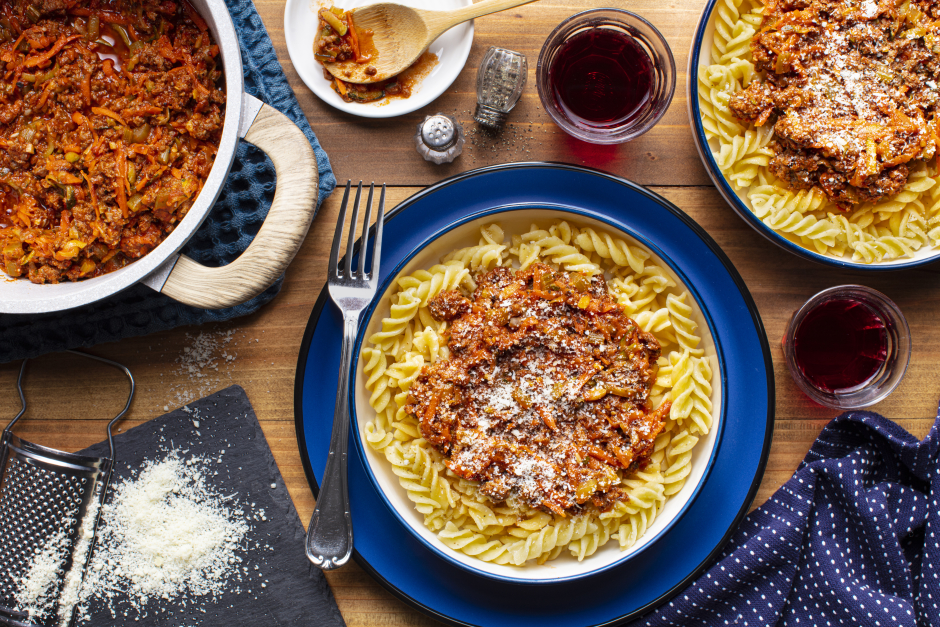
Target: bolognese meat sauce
x: 851, y: 88
x: 546, y: 392
x: 111, y: 115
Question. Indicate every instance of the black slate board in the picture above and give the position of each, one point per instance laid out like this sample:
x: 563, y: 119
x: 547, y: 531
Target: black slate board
x: 295, y: 593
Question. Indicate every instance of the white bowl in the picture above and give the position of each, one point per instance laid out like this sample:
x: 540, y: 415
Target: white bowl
x: 565, y: 567
x: 452, y: 49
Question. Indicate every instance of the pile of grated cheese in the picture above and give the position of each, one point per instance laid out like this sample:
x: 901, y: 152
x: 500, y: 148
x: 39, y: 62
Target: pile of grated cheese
x: 35, y: 592
x: 166, y: 534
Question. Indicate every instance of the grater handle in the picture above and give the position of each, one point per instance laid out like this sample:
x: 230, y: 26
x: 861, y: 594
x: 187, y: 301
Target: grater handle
x: 127, y: 405
x: 19, y: 388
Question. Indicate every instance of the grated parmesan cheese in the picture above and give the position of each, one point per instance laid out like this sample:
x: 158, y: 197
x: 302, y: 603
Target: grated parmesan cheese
x: 198, y: 365
x: 35, y: 593
x: 166, y: 534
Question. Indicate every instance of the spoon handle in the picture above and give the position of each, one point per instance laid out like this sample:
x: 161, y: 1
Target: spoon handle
x: 440, y: 21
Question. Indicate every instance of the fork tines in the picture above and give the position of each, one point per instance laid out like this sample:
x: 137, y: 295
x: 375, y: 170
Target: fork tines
x: 347, y: 272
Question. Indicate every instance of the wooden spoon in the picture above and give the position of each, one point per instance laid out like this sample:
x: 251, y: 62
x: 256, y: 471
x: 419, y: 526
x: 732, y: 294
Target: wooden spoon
x: 401, y: 34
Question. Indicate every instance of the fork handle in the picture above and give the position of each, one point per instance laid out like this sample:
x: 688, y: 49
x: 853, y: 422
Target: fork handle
x: 330, y: 534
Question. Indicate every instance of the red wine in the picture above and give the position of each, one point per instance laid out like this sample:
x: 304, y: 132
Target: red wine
x: 601, y: 77
x: 840, y: 344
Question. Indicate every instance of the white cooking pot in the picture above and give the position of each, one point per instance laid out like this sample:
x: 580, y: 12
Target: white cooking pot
x: 178, y: 276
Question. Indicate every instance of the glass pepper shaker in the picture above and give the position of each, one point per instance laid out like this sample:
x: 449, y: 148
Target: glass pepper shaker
x: 500, y: 80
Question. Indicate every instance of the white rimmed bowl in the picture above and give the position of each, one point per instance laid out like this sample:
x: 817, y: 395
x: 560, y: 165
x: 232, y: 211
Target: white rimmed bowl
x: 465, y: 232
x: 452, y: 49
x: 700, y: 55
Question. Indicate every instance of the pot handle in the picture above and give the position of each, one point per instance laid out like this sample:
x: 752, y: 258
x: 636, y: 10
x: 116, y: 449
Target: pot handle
x: 281, y: 234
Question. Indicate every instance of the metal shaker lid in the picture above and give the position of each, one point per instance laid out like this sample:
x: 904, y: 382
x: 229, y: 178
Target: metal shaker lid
x: 440, y: 138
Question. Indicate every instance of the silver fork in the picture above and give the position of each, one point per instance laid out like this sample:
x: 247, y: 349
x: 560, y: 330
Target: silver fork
x: 330, y: 535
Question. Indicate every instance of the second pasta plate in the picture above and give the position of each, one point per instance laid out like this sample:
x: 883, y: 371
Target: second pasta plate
x: 896, y: 232
x: 446, y: 513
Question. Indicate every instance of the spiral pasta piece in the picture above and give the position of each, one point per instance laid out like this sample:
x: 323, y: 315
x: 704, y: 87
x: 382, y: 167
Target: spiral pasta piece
x: 474, y: 544
x: 598, y: 533
x: 680, y: 314
x: 611, y: 248
x: 633, y: 526
x: 741, y: 159
x: 426, y: 284
x: 400, y: 314
x: 732, y: 35
x: 678, y: 462
x: 802, y: 225
x: 564, y: 255
x: 421, y: 481
x: 716, y: 84
x: 885, y: 247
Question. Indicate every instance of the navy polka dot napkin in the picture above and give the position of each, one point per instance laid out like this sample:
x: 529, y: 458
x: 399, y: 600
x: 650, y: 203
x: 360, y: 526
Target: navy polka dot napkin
x: 851, y: 539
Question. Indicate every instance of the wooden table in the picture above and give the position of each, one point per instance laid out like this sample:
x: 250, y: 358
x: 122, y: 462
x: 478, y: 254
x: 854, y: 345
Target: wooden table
x: 264, y: 347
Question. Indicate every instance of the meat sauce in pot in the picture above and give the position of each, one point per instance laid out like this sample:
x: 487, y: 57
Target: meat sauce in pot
x: 111, y: 115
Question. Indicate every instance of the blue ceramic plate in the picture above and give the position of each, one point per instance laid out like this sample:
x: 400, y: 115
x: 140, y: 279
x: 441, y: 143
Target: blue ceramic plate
x: 700, y: 55
x: 421, y: 577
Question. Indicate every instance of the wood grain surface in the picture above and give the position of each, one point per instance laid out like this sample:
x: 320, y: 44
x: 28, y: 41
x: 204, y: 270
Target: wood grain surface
x: 71, y: 400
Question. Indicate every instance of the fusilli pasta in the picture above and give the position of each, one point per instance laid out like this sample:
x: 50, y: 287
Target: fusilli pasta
x: 463, y: 518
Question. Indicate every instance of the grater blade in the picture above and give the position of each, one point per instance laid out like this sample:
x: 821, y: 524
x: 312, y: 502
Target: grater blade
x: 47, y: 500
x: 50, y: 504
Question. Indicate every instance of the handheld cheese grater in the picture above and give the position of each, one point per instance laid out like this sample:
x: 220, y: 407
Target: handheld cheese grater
x: 50, y: 506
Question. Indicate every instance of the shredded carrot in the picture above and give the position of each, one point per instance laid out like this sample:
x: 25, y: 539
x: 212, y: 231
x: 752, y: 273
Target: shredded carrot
x: 340, y: 86
x: 166, y: 49
x: 17, y: 43
x: 94, y: 196
x: 122, y: 167
x: 121, y: 198
x: 107, y: 66
x: 66, y: 178
x: 192, y: 72
x: 353, y: 37
x: 432, y: 407
x: 54, y: 50
x: 45, y: 95
x: 195, y: 17
x: 554, y: 507
x: 144, y: 110
x: 109, y: 113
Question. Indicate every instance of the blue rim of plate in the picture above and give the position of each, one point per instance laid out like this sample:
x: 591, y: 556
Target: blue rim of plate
x: 393, y: 274
x: 732, y: 198
x: 424, y: 581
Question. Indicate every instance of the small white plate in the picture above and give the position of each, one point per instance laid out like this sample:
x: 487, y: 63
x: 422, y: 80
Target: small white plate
x: 452, y: 49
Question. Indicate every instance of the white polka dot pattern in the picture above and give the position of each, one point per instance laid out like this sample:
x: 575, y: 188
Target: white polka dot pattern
x: 850, y: 539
